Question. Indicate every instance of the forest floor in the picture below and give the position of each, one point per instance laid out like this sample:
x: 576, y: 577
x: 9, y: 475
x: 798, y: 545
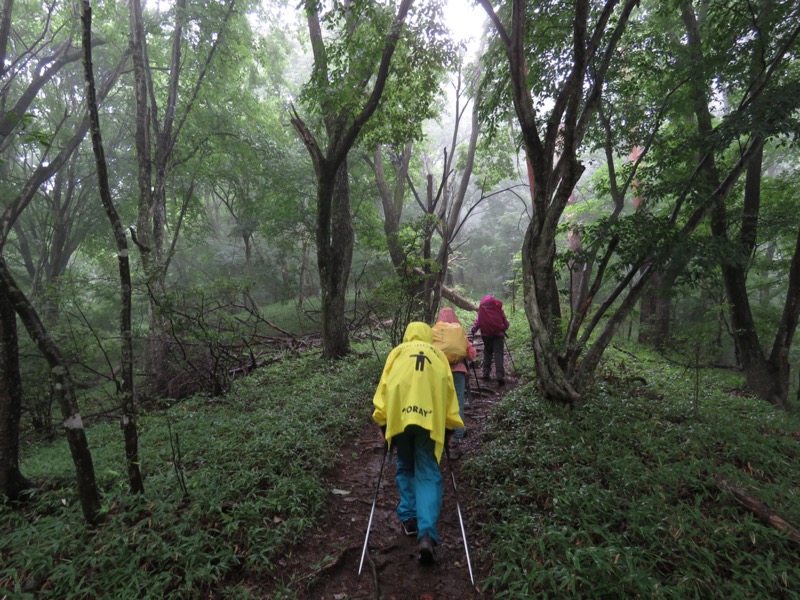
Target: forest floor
x: 325, y: 566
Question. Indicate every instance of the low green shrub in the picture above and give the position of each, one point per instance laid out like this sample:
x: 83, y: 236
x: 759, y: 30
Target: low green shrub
x: 230, y: 485
x: 617, y: 498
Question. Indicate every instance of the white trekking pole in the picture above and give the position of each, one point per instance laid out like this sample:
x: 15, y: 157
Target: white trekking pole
x: 460, y: 518
x: 372, y: 512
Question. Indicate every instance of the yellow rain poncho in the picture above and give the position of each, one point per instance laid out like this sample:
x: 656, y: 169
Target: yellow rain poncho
x: 416, y: 388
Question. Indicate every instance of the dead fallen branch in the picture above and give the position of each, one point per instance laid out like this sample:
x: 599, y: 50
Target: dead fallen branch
x: 449, y: 293
x: 761, y: 510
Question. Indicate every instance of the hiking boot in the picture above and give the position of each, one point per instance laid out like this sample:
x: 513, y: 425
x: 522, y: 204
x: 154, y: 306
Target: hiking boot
x: 409, y: 527
x: 485, y: 377
x: 426, y: 550
x: 501, y: 381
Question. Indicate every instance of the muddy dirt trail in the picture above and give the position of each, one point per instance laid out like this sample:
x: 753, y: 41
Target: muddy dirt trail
x: 327, y: 563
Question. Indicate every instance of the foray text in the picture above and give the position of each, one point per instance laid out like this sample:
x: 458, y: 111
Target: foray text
x: 416, y: 409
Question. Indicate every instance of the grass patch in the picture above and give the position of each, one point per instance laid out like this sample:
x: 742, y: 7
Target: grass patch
x: 616, y: 499
x: 252, y: 464
x: 289, y: 317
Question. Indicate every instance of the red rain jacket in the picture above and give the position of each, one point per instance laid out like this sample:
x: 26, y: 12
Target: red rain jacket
x: 491, y: 319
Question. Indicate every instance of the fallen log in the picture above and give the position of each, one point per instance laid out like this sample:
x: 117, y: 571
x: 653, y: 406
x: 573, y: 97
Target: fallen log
x: 454, y: 297
x: 458, y: 299
x: 761, y: 510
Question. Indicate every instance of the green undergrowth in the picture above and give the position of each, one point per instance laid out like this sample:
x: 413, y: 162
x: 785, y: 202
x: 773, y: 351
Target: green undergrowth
x: 231, y: 485
x: 620, y: 497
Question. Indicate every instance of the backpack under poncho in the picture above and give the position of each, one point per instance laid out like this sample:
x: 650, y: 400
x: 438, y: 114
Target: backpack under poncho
x: 450, y: 339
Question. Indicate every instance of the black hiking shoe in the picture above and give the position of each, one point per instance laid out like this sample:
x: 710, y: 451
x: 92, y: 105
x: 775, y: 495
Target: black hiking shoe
x: 409, y: 527
x: 426, y: 550
x: 501, y: 381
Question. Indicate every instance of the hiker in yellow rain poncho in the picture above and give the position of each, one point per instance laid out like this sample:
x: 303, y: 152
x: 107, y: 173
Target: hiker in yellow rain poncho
x: 417, y: 407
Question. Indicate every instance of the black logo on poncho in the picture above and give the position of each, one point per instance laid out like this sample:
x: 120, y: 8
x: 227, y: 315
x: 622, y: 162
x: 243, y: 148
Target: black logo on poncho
x: 421, y: 358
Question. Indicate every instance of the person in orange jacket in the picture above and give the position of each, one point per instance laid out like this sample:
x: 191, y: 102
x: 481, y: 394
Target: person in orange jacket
x: 459, y: 369
x: 417, y: 408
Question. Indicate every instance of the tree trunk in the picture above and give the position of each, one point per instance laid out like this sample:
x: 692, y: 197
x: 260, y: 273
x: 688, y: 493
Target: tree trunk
x: 541, y: 293
x: 155, y: 143
x: 767, y: 377
x: 554, y: 179
x: 761, y: 510
x: 392, y: 199
x: 656, y: 311
x: 12, y: 296
x: 88, y: 492
x: 334, y: 234
x: 579, y: 272
x: 453, y: 296
x: 335, y: 239
x: 765, y: 292
x: 12, y: 482
x: 128, y: 389
x: 147, y: 235
x: 446, y: 204
x: 306, y: 287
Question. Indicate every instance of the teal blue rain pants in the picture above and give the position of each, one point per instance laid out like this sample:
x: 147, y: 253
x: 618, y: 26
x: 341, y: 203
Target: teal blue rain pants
x: 419, y: 480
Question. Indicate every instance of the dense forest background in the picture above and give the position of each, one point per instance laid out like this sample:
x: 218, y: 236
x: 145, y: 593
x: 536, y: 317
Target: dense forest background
x: 194, y: 191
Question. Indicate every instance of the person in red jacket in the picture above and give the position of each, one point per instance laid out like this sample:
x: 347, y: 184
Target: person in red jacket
x: 492, y: 323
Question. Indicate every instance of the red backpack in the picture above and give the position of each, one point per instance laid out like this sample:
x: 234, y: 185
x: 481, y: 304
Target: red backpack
x: 491, y: 318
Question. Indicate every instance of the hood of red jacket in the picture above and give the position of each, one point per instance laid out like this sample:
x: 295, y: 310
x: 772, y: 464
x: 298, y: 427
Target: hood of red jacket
x: 448, y: 315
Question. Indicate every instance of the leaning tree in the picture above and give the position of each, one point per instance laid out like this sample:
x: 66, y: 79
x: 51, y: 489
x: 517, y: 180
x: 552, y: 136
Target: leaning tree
x: 36, y: 58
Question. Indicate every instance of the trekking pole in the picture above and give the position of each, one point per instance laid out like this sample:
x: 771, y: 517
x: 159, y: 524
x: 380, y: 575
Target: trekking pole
x: 372, y: 512
x: 460, y: 518
x: 513, y: 366
x: 478, y: 383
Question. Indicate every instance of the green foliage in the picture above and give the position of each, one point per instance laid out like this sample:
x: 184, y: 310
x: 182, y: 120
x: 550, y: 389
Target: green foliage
x: 355, y: 35
x: 612, y: 499
x: 396, y: 296
x: 617, y: 499
x: 415, y: 89
x: 253, y: 469
x: 491, y: 243
x: 392, y: 300
x: 494, y: 163
x: 514, y: 285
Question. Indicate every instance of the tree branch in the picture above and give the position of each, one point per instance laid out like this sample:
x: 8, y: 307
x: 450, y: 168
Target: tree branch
x: 761, y: 510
